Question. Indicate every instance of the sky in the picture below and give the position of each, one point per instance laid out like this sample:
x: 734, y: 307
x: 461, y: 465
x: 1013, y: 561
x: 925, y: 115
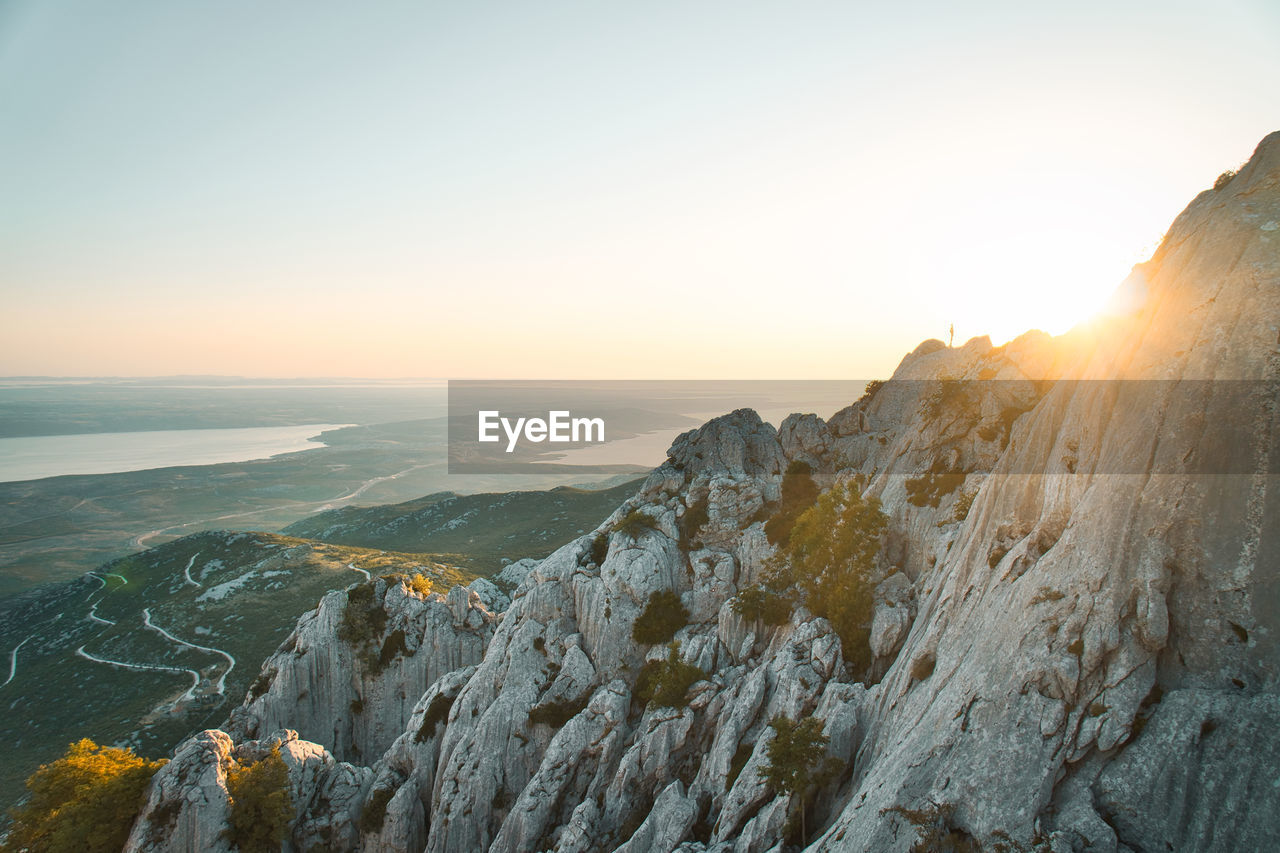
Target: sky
x: 659, y: 190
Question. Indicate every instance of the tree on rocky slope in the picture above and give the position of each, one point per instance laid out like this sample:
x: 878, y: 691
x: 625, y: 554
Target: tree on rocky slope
x: 261, y: 807
x: 84, y: 802
x: 795, y: 767
x: 828, y: 561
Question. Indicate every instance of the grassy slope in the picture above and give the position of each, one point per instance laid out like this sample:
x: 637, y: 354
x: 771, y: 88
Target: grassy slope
x: 476, y: 531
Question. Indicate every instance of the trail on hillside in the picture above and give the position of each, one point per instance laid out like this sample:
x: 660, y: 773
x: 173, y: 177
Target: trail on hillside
x: 152, y: 667
x: 186, y: 572
x: 13, y: 660
x: 220, y: 685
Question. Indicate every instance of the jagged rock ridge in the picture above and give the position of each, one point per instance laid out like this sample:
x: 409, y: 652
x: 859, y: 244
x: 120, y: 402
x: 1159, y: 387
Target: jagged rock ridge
x: 1102, y: 645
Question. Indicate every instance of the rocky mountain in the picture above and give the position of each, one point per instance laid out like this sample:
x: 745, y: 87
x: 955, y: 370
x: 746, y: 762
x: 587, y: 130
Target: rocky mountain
x: 1073, y: 641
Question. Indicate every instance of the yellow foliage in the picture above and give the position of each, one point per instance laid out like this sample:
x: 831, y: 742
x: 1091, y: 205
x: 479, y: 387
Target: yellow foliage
x: 85, y: 802
x: 261, y: 808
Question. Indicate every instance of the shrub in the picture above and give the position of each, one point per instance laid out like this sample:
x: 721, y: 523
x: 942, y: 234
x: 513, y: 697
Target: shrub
x: 634, y: 523
x: 261, y: 684
x: 663, y: 615
x: 374, y: 813
x: 935, y: 484
x: 664, y: 683
x: 556, y: 713
x: 357, y: 705
x: 964, y: 503
x: 799, y: 491
x: 740, y: 758
x: 828, y: 560
x: 944, y: 395
x: 600, y: 549
x: 759, y: 603
x: 694, y: 518
x: 1224, y: 179
x: 392, y: 647
x: 362, y: 618
x: 870, y: 391
x: 935, y: 830
x: 84, y: 802
x: 260, y: 805
x: 419, y: 583
x: 437, y: 713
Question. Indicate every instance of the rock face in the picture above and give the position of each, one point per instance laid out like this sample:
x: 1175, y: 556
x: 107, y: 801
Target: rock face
x: 187, y: 803
x: 1067, y: 597
x: 355, y: 694
x: 1074, y: 632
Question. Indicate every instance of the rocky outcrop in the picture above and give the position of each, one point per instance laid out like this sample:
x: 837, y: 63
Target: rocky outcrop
x: 1074, y: 627
x: 188, y: 802
x: 1068, y: 596
x: 352, y: 671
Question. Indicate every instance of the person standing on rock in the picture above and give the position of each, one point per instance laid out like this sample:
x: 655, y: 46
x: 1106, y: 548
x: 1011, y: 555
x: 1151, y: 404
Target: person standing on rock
x: 951, y: 336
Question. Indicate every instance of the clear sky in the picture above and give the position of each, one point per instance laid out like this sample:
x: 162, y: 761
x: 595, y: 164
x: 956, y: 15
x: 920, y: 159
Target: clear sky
x: 594, y: 189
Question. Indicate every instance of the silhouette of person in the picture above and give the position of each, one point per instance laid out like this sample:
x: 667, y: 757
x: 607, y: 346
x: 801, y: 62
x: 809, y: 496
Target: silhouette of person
x: 951, y: 336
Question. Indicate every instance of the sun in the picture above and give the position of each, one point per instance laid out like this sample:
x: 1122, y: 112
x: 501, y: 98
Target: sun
x: 1015, y: 266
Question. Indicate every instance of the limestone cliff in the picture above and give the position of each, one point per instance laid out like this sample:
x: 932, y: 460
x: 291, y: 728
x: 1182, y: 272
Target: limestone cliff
x: 1074, y: 637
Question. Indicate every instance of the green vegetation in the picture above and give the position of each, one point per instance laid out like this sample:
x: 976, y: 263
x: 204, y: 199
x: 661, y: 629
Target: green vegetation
x: 84, y: 802
x: 664, y: 683
x: 374, y: 813
x: 1224, y: 179
x: 799, y: 491
x: 634, y: 523
x: 363, y: 618
x: 437, y: 713
x: 600, y: 549
x: 828, y: 561
x: 935, y: 830
x: 930, y: 488
x: 945, y: 395
x: 795, y: 765
x: 475, y: 531
x: 695, y: 516
x: 663, y: 615
x: 392, y: 647
x: 260, y: 805
x: 760, y: 603
x: 261, y: 684
x: 740, y: 758
x: 556, y: 713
